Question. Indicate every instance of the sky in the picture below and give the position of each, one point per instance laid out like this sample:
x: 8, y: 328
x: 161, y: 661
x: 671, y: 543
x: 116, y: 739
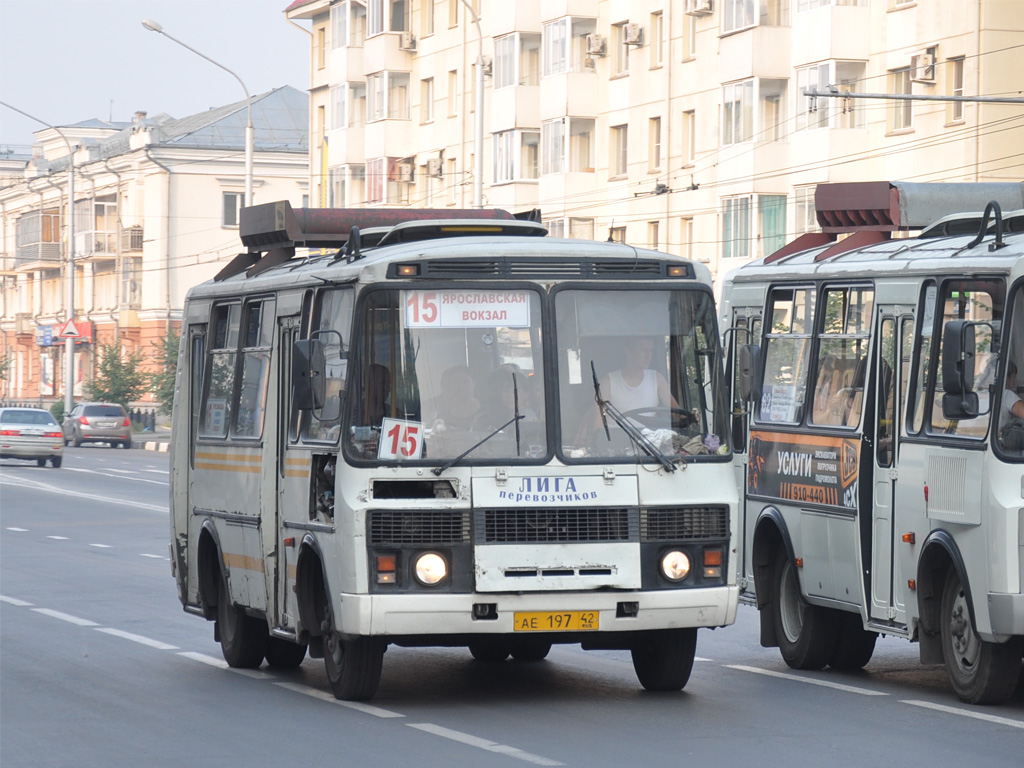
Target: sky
x: 65, y: 61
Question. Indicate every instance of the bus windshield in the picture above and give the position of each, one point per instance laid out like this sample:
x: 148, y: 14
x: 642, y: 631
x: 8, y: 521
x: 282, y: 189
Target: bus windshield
x: 655, y: 358
x: 440, y: 370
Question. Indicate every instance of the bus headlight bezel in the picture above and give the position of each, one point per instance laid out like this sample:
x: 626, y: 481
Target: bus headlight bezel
x: 430, y: 568
x: 675, y: 565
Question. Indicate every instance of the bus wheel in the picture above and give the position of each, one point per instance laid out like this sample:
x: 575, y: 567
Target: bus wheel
x: 284, y: 654
x: 526, y: 650
x: 854, y: 645
x: 243, y: 639
x: 489, y: 651
x: 806, y: 633
x: 353, y: 666
x: 663, y: 659
x: 981, y: 672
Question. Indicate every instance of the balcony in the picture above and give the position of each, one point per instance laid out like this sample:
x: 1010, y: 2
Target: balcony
x: 6, y: 264
x: 33, y: 256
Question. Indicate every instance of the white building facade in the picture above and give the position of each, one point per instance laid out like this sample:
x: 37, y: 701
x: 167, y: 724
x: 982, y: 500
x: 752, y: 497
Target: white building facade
x: 674, y: 124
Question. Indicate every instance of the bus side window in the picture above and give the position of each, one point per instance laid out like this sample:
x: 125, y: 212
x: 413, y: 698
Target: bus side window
x: 258, y: 334
x: 1010, y: 434
x: 922, y: 374
x: 786, y: 355
x: 220, y: 371
x: 843, y: 355
x: 332, y: 324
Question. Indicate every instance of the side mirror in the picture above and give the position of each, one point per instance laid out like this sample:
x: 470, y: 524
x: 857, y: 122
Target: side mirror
x: 749, y: 371
x: 308, y: 374
x: 960, y: 401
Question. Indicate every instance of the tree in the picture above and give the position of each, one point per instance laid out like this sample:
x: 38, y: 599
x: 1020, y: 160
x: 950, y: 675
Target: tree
x: 119, y: 377
x: 162, y: 382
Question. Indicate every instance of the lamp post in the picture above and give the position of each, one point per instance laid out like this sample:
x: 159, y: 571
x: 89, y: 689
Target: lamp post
x: 69, y: 278
x: 478, y: 123
x: 155, y: 27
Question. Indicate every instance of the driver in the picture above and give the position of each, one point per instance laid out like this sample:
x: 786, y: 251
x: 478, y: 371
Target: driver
x: 1011, y: 406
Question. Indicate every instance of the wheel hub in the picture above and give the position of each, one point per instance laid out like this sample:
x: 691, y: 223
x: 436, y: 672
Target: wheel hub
x: 965, y: 644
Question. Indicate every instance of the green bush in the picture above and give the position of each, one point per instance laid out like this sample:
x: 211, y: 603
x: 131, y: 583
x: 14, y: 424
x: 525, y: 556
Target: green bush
x: 57, y: 410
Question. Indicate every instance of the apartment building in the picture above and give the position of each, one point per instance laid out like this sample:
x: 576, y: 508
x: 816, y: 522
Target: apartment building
x: 156, y: 205
x: 675, y: 124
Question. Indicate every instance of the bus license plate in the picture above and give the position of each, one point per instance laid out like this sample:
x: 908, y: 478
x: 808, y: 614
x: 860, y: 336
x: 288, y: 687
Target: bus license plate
x: 554, y: 621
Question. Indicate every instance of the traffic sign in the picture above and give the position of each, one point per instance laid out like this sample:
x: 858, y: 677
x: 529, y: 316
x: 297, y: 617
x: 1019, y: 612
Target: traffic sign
x: 69, y: 331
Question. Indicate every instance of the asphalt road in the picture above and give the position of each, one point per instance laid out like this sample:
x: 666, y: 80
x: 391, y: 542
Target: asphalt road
x: 99, y: 666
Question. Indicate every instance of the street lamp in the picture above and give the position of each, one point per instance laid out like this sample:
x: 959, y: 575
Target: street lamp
x: 478, y: 137
x: 155, y: 27
x: 69, y: 281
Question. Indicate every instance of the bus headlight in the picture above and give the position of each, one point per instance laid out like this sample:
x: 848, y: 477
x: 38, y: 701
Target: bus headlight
x: 675, y: 565
x: 430, y: 569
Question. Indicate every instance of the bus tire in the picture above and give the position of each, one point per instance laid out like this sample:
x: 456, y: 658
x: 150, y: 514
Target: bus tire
x: 526, y: 650
x: 489, y: 651
x: 284, y: 654
x: 854, y: 644
x: 981, y: 672
x: 806, y: 633
x: 353, y: 666
x: 243, y: 639
x: 663, y: 659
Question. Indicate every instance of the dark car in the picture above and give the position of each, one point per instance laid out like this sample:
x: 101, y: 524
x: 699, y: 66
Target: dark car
x: 98, y: 423
x: 30, y: 433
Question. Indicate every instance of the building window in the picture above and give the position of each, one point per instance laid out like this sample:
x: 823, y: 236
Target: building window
x: 812, y: 112
x: 321, y: 47
x: 736, y: 227
x: 376, y: 180
x: 556, y: 227
x: 387, y: 96
x: 427, y: 18
x: 771, y: 102
x: 556, y: 47
x: 453, y: 13
x: 737, y: 112
x: 581, y: 228
x: 654, y: 144
x: 654, y: 235
x: 453, y: 93
x: 657, y: 39
x: 737, y: 14
x: 338, y: 117
x: 374, y: 17
x: 339, y: 25
x: 807, y: 5
x: 849, y: 74
x: 529, y: 155
x: 356, y: 104
x: 504, y: 160
x: 689, y: 37
x: 398, y: 95
x: 581, y: 145
x: 529, y: 59
x: 427, y: 100
x: 805, y: 217
x: 553, y: 145
x: 686, y: 238
x: 453, y: 182
x: 620, y: 51
x: 774, y: 13
x: 232, y: 205
x: 901, y: 113
x: 505, y: 61
x: 617, y: 234
x: 689, y: 136
x: 619, y: 150
x: 955, y: 78
x: 771, y: 223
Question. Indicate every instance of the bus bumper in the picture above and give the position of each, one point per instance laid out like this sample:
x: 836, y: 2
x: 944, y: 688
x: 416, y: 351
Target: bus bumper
x: 1006, y: 613
x: 447, y: 614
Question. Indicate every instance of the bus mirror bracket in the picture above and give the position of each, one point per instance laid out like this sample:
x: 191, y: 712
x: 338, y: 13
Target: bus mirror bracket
x: 308, y: 374
x: 749, y: 371
x: 959, y: 401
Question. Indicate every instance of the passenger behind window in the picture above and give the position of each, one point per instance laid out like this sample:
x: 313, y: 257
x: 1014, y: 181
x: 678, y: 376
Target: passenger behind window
x: 378, y: 392
x: 1011, y: 412
x: 457, y: 405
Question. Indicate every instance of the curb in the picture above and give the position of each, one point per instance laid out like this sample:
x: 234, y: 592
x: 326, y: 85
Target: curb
x: 161, y: 446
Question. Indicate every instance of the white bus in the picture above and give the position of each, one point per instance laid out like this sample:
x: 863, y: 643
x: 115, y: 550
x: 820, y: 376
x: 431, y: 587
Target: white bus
x: 391, y: 428
x: 878, y: 431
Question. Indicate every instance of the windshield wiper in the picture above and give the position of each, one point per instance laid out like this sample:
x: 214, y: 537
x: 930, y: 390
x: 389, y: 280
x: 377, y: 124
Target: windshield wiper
x: 514, y: 420
x: 634, y: 434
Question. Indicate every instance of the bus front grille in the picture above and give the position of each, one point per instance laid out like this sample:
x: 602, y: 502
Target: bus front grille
x: 513, y: 526
x: 682, y: 523
x: 388, y: 527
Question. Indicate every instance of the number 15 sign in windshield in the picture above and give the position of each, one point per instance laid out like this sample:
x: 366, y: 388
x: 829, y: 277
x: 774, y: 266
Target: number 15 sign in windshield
x: 467, y: 309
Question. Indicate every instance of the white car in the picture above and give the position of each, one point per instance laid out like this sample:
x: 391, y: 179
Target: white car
x: 31, y: 433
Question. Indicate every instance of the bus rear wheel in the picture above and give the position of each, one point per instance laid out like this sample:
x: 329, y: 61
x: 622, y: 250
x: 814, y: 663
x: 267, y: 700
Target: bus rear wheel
x: 981, y: 672
x: 663, y: 659
x: 243, y: 639
x: 353, y: 666
x: 806, y: 633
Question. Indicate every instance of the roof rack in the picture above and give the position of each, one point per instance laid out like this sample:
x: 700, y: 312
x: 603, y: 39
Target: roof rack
x: 272, y: 231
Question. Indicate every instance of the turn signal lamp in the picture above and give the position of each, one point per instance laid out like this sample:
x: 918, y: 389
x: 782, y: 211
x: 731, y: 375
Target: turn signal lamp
x: 408, y: 270
x: 909, y: 538
x: 712, y: 564
x: 385, y: 569
x: 677, y: 272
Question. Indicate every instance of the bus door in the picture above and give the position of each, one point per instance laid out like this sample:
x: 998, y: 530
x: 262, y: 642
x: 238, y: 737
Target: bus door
x: 292, y: 480
x: 196, y: 340
x: 895, y: 334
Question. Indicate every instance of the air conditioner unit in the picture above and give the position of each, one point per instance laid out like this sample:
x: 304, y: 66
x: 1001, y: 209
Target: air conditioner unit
x: 407, y: 42
x: 406, y: 173
x: 922, y: 68
x: 434, y: 167
x: 697, y: 7
x: 596, y: 45
x: 634, y: 34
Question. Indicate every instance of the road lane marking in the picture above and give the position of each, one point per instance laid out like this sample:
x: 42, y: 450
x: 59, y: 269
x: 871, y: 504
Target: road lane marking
x: 120, y: 474
x: 137, y: 639
x: 58, y: 538
x: 125, y: 471
x: 475, y: 741
x: 965, y: 713
x: 14, y: 601
x: 101, y: 546
x: 157, y: 471
x: 66, y: 617
x: 808, y: 680
x: 368, y: 709
x: 255, y: 674
x: 23, y: 483
x: 18, y: 530
x: 155, y: 557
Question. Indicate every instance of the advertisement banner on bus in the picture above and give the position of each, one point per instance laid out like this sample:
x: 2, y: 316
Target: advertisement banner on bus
x: 806, y: 469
